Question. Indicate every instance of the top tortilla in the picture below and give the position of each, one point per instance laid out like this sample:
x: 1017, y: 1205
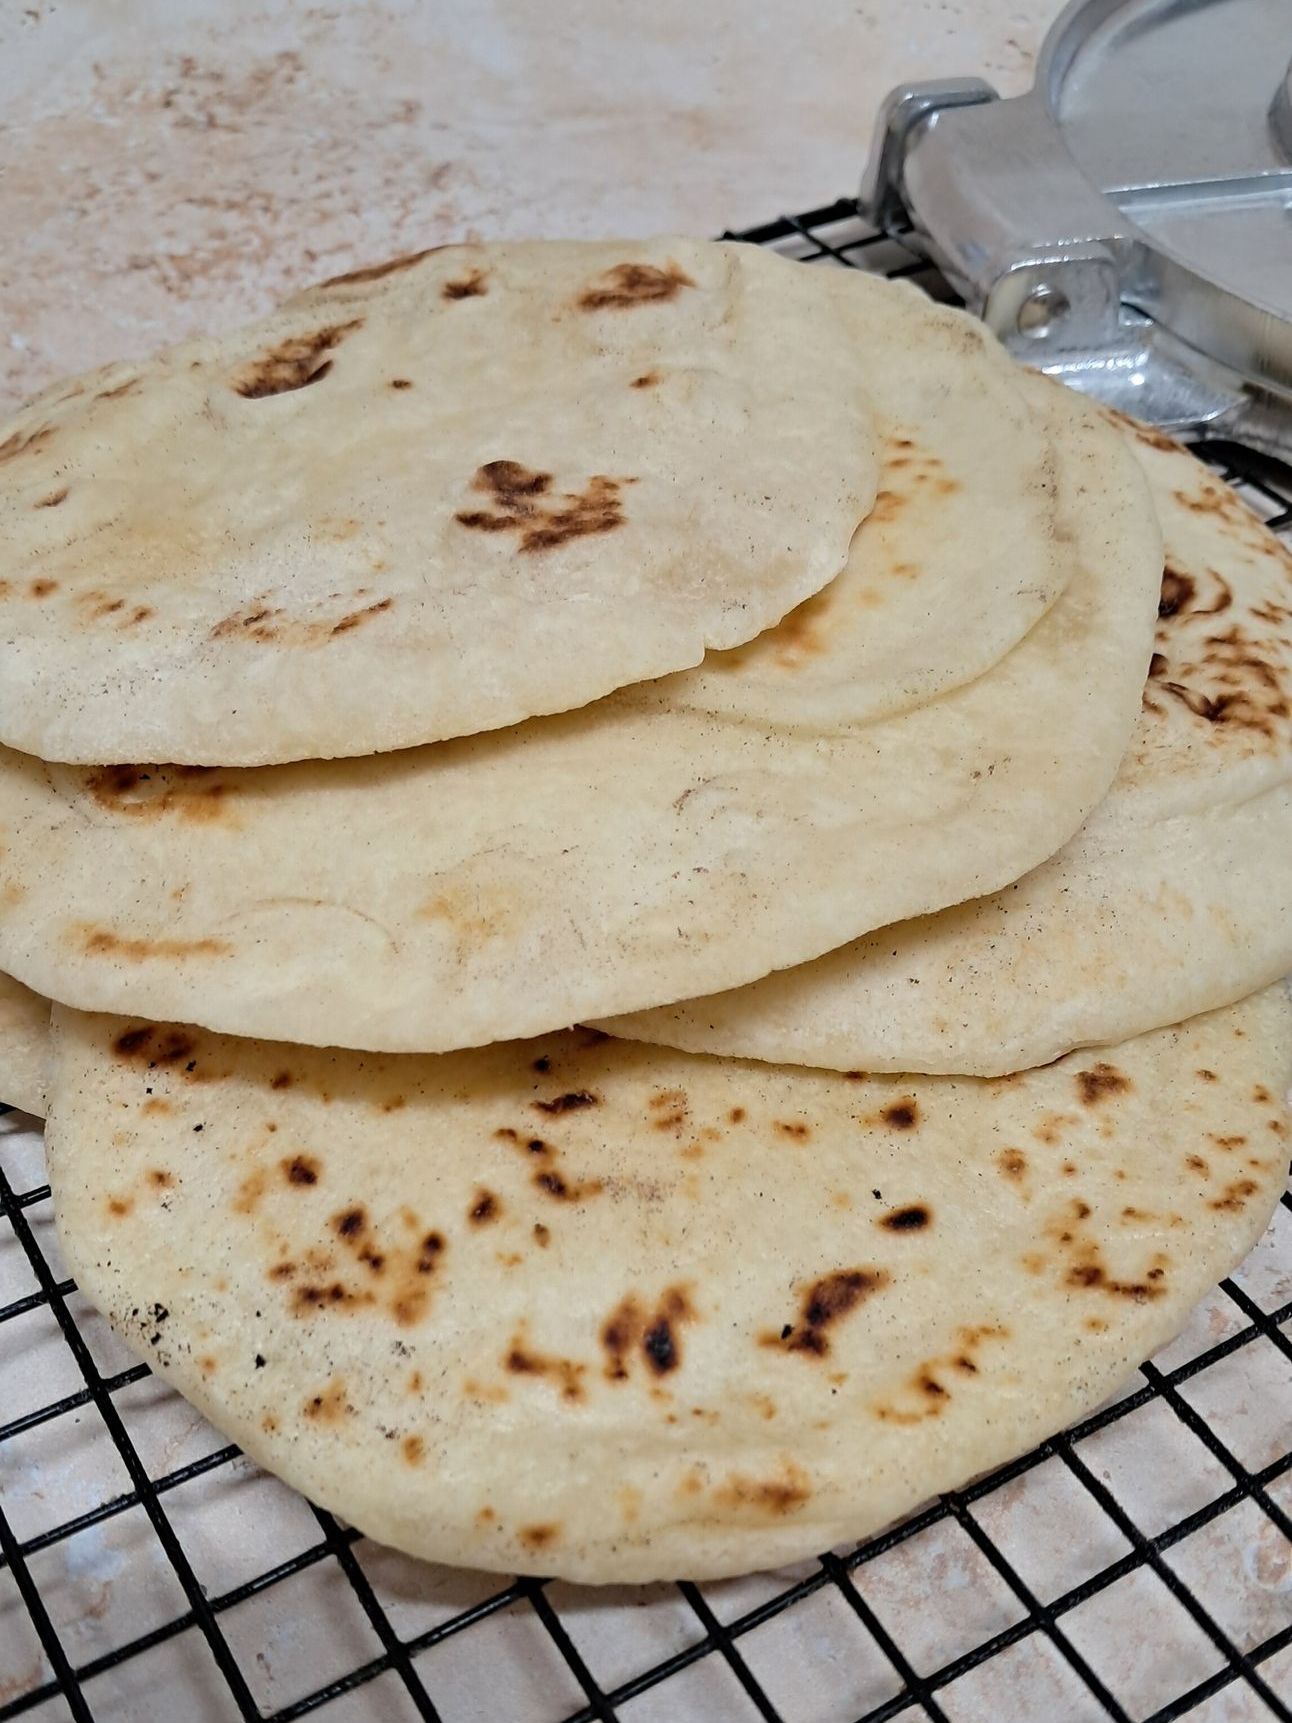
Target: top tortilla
x: 428, y: 499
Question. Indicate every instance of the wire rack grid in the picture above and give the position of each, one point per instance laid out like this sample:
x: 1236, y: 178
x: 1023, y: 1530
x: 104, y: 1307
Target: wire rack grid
x: 1136, y: 1567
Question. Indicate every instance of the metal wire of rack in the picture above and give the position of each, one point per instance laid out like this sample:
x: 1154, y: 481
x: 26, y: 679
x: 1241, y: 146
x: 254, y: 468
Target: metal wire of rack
x: 1247, y: 1663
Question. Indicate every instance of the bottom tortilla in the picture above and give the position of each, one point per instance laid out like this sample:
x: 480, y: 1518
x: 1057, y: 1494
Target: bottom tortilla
x: 583, y: 1307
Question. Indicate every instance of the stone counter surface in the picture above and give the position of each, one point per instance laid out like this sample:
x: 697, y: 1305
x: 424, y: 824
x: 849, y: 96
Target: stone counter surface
x: 169, y: 167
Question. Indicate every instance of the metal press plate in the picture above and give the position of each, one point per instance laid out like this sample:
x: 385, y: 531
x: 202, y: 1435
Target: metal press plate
x: 1127, y: 224
x: 1173, y: 109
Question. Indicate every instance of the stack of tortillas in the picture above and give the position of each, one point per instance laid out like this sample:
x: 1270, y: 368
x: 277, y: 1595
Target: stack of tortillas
x: 510, y: 764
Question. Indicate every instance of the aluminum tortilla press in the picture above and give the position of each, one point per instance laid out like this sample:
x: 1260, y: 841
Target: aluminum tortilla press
x: 1127, y: 224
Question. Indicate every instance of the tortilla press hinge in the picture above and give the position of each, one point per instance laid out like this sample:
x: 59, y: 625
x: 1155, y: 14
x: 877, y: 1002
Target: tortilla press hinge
x: 1140, y: 272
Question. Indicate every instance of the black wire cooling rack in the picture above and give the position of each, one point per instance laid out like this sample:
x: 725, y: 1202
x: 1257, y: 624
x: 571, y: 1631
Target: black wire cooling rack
x: 1147, y: 1597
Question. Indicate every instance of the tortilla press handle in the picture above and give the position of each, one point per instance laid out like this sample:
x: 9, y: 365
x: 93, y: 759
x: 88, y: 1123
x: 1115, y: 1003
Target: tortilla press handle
x: 987, y: 189
x: 996, y: 200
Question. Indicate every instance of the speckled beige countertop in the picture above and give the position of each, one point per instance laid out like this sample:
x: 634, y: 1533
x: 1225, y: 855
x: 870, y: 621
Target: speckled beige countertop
x: 168, y: 166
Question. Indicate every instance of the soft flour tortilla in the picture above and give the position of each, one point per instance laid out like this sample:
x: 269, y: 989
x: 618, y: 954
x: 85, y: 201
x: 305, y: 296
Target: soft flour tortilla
x: 1174, y: 898
x: 507, y: 489
x: 24, y: 1046
x: 633, y: 853
x: 589, y: 1308
x: 959, y: 557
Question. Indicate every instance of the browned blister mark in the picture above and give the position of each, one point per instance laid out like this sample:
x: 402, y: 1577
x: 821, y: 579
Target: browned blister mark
x: 377, y: 271
x: 1100, y: 1082
x: 246, y: 1199
x: 195, y: 794
x: 330, y: 1404
x: 1235, y: 677
x: 472, y: 285
x: 154, y: 1044
x: 1233, y: 1198
x: 1049, y: 1129
x: 653, y: 1332
x: 1178, y: 591
x: 1147, y: 434
x: 669, y: 1109
x: 295, y: 362
x: 99, y: 606
x: 485, y: 1207
x: 1237, y: 708
x: 25, y: 442
x: 825, y: 1302
x: 784, y: 1493
x: 101, y: 942
x: 522, y: 501
x: 1078, y: 1261
x: 625, y: 285
x: 570, y: 1102
x: 356, y: 618
x: 561, y: 1189
x: 565, y: 1374
x: 902, y: 1115
x: 275, y: 625
x: 797, y: 638
x: 914, y: 1217
x: 390, y: 1273
x: 926, y: 1393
